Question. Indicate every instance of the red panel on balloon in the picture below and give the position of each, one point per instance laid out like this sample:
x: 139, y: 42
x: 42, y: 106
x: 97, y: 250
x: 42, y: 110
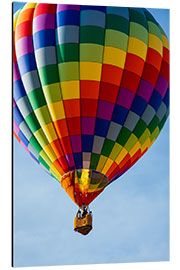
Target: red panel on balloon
x: 61, y: 128
x: 72, y: 107
x: 108, y: 92
x: 134, y: 64
x: 111, y: 74
x: 66, y: 143
x: 150, y: 74
x: 89, y: 89
x: 130, y: 81
x: 154, y: 58
x: 88, y: 107
x: 74, y: 126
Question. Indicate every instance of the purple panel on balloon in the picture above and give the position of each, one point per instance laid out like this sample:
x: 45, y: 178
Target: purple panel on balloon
x: 44, y: 21
x: 125, y: 98
x: 88, y: 125
x: 105, y: 110
x: 145, y: 90
x: 76, y: 143
x: 162, y: 85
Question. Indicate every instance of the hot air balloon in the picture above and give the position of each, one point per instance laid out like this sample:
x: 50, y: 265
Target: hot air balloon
x: 90, y: 93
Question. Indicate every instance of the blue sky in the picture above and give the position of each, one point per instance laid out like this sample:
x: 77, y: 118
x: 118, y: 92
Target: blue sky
x: 130, y: 218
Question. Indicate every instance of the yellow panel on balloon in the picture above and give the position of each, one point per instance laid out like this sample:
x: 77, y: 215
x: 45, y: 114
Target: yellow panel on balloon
x: 155, y: 43
x: 137, y: 47
x: 57, y: 110
x: 135, y: 148
x: 146, y: 144
x: 50, y: 132
x: 107, y: 165
x: 114, y: 56
x: 121, y: 155
x: 48, y: 150
x: 70, y: 90
x: 101, y: 163
x: 90, y: 71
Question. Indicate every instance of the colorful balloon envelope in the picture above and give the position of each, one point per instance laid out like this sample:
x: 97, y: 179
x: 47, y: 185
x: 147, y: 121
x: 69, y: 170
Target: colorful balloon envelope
x: 91, y: 91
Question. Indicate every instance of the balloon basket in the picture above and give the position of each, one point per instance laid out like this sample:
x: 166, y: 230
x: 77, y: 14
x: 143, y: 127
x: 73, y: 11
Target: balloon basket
x: 83, y: 223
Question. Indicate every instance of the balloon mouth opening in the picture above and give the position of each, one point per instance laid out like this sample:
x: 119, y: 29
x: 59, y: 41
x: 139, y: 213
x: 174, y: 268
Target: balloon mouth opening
x: 83, y: 185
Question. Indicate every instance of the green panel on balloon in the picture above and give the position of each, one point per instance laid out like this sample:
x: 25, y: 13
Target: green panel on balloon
x: 92, y: 34
x: 118, y: 23
x: 140, y: 127
x: 94, y: 160
x: 107, y: 147
x: 36, y: 98
x: 116, y: 39
x: 91, y: 52
x: 69, y: 71
x: 35, y: 144
x: 68, y: 52
x: 49, y: 74
x: 123, y: 136
x: 32, y: 122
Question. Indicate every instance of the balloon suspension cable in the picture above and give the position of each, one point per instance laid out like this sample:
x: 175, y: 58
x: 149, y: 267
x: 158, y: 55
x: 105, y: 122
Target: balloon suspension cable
x: 83, y: 220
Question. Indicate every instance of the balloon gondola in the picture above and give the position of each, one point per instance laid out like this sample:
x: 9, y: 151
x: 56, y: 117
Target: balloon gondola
x: 90, y: 93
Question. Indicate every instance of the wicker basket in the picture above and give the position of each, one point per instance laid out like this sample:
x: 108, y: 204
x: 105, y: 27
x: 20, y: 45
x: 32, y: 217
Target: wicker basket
x: 83, y: 225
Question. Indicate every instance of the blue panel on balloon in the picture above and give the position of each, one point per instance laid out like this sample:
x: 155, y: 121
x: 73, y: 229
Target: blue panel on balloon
x: 155, y: 100
x: 68, y: 17
x: 101, y: 127
x: 26, y: 63
x: 17, y: 116
x: 78, y: 160
x: 18, y: 90
x: 119, y: 115
x: 87, y: 142
x: 139, y: 105
x: 44, y: 38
